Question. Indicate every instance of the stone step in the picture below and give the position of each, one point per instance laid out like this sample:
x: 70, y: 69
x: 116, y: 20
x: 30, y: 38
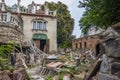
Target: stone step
x: 39, y: 73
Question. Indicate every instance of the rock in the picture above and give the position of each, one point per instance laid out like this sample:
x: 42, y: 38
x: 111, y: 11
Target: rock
x: 19, y: 74
x: 66, y: 77
x: 115, y: 68
x: 111, y: 39
x: 4, y: 75
x: 113, y: 48
x: 110, y: 33
x: 93, y: 70
x: 55, y: 78
x: 102, y: 76
x: 104, y: 65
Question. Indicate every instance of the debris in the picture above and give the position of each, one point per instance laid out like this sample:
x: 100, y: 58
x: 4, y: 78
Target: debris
x: 55, y: 65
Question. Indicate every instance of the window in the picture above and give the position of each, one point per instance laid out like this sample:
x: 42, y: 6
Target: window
x: 44, y: 26
x: 34, y: 25
x: 76, y: 46
x: 39, y: 25
x: 85, y: 45
x: 80, y: 45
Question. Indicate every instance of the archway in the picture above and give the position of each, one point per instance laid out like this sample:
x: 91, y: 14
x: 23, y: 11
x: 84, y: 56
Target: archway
x: 97, y: 49
x: 41, y: 41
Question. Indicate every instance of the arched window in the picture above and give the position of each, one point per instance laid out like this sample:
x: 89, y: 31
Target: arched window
x: 80, y: 45
x: 76, y: 45
x: 39, y: 25
x: 85, y: 45
x: 34, y: 25
x: 44, y: 26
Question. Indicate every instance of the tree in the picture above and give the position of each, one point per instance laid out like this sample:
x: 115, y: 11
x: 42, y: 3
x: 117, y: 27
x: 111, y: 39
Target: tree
x: 100, y: 13
x: 64, y: 24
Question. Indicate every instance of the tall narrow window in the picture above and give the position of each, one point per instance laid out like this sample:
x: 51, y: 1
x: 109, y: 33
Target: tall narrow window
x: 39, y: 25
x: 76, y: 45
x: 34, y: 25
x: 80, y: 45
x: 44, y: 27
x: 85, y: 45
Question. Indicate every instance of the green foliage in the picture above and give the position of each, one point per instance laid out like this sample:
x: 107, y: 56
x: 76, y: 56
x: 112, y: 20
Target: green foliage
x: 64, y: 23
x: 100, y: 13
x: 5, y: 49
x: 49, y: 78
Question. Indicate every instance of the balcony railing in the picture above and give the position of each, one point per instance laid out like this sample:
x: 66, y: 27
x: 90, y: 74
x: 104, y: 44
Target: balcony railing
x: 11, y: 21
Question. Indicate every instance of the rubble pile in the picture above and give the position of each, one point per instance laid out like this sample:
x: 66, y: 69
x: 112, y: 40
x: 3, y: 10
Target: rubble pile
x: 107, y: 65
x: 110, y: 66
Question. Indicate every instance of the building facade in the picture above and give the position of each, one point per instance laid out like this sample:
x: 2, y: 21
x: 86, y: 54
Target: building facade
x: 39, y: 26
x: 89, y: 42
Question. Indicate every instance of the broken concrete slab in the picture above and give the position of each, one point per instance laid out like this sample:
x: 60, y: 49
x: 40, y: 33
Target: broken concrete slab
x: 104, y: 65
x: 93, y: 70
x: 115, y: 67
x: 102, y: 76
x: 112, y: 48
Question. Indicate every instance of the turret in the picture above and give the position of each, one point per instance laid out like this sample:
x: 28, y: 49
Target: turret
x: 18, y: 6
x: 3, y: 6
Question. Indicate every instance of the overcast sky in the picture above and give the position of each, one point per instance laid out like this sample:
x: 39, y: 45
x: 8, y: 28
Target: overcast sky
x: 72, y: 5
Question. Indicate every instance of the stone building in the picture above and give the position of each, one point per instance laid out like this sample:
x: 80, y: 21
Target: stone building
x: 88, y: 42
x: 40, y: 26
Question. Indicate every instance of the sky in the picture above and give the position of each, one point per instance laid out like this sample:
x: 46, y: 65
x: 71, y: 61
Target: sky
x: 75, y: 12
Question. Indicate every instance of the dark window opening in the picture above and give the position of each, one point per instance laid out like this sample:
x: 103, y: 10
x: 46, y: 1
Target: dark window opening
x: 85, y: 45
x: 97, y: 49
x: 80, y: 45
x: 76, y: 46
x: 42, y: 44
x: 34, y: 25
x: 44, y: 27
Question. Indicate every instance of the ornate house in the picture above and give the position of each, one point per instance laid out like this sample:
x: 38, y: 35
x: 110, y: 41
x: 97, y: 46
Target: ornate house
x: 40, y: 26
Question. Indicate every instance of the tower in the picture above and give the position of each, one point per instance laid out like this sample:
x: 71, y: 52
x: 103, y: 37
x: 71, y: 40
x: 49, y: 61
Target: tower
x: 18, y: 6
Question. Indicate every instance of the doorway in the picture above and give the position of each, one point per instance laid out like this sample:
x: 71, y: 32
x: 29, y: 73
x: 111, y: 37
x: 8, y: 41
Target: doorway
x: 97, y: 49
x: 42, y: 44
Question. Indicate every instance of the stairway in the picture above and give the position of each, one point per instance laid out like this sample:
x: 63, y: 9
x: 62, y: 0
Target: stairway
x: 40, y: 73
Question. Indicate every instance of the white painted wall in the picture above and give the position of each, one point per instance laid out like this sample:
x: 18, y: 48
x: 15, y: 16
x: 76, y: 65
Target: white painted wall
x: 51, y: 30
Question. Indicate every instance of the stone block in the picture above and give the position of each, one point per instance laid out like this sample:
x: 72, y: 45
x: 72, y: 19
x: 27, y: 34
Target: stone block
x: 113, y: 48
x: 115, y: 67
x: 102, y: 76
x: 104, y: 65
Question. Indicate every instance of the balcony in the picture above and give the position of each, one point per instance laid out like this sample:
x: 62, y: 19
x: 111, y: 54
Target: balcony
x: 7, y: 20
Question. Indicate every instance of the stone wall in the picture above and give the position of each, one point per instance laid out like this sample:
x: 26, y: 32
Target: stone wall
x: 10, y: 28
x: 88, y: 42
x: 110, y: 66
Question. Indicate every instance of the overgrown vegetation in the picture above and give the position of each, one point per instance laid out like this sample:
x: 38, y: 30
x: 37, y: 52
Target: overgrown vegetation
x: 100, y: 13
x: 5, y: 50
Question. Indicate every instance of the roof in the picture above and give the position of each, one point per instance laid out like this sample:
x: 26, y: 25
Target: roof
x: 32, y: 14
